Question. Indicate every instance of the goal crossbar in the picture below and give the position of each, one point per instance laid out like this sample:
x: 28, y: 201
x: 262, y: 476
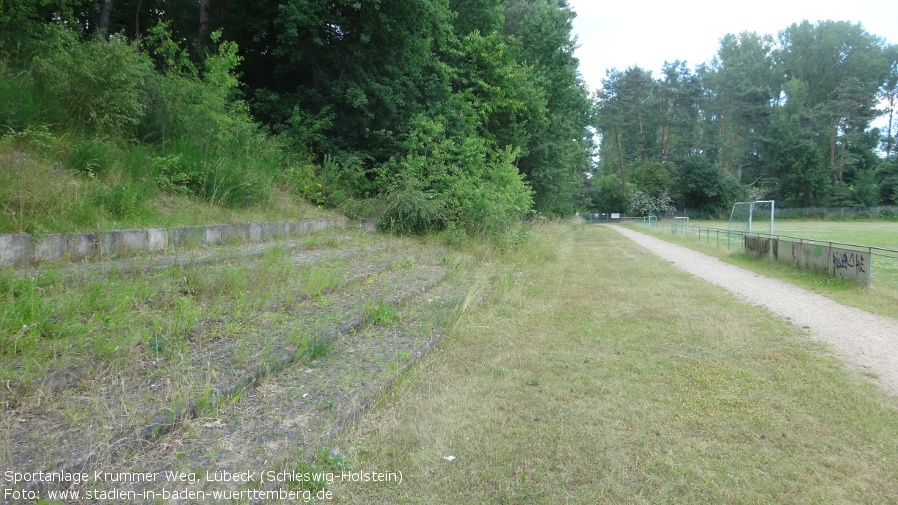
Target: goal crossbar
x: 751, y: 213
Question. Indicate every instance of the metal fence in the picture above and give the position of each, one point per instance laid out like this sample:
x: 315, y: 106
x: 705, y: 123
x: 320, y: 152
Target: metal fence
x: 803, y: 212
x: 836, y: 211
x: 883, y: 261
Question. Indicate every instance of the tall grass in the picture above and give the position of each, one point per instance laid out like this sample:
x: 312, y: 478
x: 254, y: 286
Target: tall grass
x: 92, y: 136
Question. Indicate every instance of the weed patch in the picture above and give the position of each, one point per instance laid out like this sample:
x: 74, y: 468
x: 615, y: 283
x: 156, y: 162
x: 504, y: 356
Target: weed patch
x: 382, y: 313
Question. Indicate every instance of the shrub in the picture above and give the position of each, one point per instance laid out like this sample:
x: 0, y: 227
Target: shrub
x: 90, y: 157
x: 450, y: 180
x: 20, y: 101
x: 644, y: 204
x: 410, y: 210
x: 123, y: 201
x: 173, y: 176
x: 97, y: 83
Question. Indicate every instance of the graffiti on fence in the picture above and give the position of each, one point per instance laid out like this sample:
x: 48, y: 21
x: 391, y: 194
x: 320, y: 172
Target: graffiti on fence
x: 844, y: 263
x: 850, y: 264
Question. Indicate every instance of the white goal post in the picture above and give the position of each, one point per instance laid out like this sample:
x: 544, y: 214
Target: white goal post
x: 744, y: 214
x: 679, y: 223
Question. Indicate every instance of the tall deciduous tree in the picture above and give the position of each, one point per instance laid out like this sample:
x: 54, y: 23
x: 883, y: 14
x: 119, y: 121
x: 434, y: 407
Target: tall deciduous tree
x: 889, y: 96
x: 842, y: 68
x: 741, y: 83
x: 557, y: 146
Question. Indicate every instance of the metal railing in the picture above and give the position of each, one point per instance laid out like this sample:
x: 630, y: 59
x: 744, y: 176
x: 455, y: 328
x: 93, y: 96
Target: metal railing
x: 885, y: 260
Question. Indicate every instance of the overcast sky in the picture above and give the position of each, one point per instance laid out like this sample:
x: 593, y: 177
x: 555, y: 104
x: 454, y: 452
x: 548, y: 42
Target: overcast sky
x: 624, y: 33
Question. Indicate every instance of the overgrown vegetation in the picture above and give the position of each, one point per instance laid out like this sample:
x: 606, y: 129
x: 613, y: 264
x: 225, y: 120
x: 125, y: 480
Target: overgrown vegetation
x: 451, y: 115
x: 95, y: 136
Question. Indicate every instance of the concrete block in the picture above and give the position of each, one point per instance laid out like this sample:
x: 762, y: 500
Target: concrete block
x: 177, y: 237
x: 115, y: 242
x: 254, y: 232
x: 51, y: 247
x: 157, y: 239
x: 213, y: 235
x: 134, y: 240
x: 228, y: 232
x: 220, y: 233
x: 241, y: 232
x: 196, y: 236
x: 301, y: 227
x: 82, y: 245
x: 109, y: 243
x: 15, y: 249
x: 851, y: 264
x: 269, y: 231
x: 186, y: 236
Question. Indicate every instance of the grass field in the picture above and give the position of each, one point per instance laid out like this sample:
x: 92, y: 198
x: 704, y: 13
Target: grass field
x: 870, y: 233
x: 595, y: 373
x: 881, y: 297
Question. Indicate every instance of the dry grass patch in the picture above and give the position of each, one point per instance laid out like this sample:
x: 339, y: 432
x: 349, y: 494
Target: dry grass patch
x: 599, y: 374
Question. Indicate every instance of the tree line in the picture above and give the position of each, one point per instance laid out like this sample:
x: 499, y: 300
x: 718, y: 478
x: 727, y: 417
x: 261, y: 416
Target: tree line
x: 434, y: 114
x: 786, y: 118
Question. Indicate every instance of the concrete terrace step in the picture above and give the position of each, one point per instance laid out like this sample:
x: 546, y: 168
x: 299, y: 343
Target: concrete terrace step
x: 20, y: 250
x: 295, y: 414
x: 148, y: 420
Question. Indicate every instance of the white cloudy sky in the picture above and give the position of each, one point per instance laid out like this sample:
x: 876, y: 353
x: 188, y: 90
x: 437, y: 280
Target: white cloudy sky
x: 623, y: 33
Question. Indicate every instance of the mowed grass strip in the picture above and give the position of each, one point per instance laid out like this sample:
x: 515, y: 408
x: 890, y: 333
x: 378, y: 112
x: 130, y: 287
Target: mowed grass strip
x: 870, y: 233
x: 600, y: 374
x: 880, y: 298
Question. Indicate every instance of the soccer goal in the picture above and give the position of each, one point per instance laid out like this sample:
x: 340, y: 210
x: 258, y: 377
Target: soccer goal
x: 752, y: 217
x: 680, y: 225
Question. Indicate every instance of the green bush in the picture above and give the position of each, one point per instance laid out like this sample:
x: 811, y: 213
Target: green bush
x: 20, y: 100
x: 123, y: 201
x: 99, y: 83
x: 173, y: 176
x: 410, y: 210
x: 90, y: 157
x: 450, y: 180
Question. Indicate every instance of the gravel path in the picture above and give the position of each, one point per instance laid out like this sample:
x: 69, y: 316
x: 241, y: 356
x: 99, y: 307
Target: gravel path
x: 863, y: 340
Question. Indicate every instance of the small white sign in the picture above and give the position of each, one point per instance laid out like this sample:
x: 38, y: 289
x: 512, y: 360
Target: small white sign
x: 615, y: 215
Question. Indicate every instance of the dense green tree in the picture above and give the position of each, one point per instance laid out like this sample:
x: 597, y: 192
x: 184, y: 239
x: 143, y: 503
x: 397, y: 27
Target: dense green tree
x: 842, y: 67
x: 680, y: 103
x: 788, y: 118
x: 628, y: 122
x: 703, y: 185
x: 557, y: 147
x: 889, y: 96
x: 798, y: 163
x: 741, y: 84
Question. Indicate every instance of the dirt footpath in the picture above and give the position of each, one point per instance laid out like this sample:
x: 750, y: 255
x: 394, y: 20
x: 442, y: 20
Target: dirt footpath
x: 864, y: 341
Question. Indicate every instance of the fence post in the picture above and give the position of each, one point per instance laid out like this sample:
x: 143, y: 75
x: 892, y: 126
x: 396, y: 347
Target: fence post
x: 870, y: 267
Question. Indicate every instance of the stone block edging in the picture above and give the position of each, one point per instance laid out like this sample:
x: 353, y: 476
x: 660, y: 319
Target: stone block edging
x: 18, y: 249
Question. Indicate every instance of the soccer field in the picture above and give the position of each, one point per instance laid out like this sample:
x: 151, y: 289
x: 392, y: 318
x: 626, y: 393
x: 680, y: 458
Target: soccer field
x: 882, y: 299
x: 869, y: 233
